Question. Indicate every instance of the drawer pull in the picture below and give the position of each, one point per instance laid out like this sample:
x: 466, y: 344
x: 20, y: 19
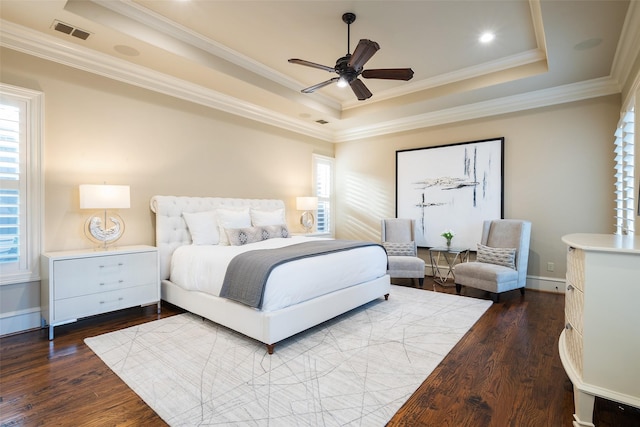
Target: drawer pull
x: 568, y: 326
x: 104, y: 302
x: 120, y: 264
x: 119, y: 281
x: 570, y: 287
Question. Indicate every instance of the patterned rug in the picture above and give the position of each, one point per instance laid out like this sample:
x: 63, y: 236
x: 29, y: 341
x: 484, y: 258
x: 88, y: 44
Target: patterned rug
x: 357, y: 369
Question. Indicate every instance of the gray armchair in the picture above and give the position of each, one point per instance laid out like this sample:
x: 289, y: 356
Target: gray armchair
x: 501, y: 261
x: 398, y: 238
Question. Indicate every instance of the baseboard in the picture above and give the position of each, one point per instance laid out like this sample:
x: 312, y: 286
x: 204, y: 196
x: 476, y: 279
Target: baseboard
x: 19, y: 321
x: 538, y: 283
x: 546, y: 284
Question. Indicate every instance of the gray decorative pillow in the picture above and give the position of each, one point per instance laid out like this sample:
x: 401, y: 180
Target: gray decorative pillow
x: 242, y: 236
x: 400, y: 249
x: 500, y: 256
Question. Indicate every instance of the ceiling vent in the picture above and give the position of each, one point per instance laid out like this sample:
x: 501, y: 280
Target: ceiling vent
x: 68, y: 29
x: 322, y: 122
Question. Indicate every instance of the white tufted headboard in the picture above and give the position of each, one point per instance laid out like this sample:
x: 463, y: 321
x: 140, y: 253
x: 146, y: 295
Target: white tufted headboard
x: 171, y: 229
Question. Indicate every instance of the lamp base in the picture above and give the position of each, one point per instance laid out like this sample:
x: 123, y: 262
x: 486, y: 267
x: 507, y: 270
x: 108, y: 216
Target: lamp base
x: 307, y: 220
x: 104, y: 230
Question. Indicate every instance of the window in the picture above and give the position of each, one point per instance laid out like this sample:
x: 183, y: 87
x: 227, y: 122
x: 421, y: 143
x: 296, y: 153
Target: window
x: 323, y: 186
x: 624, y: 193
x: 20, y: 184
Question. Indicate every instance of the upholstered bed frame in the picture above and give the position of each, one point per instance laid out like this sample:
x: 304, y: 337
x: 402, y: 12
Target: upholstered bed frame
x: 268, y: 327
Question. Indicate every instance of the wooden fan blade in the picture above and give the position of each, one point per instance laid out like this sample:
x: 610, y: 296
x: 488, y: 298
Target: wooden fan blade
x: 360, y: 89
x: 388, y: 73
x: 364, y: 51
x: 312, y: 64
x: 320, y: 85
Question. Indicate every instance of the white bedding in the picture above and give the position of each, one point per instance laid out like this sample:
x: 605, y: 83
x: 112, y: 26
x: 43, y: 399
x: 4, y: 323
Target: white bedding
x: 202, y: 268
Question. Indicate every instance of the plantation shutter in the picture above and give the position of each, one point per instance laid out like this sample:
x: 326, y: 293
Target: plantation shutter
x: 624, y: 186
x: 323, y: 180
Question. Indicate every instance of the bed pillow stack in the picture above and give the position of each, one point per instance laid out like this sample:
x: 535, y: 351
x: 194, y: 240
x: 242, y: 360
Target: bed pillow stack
x: 225, y: 226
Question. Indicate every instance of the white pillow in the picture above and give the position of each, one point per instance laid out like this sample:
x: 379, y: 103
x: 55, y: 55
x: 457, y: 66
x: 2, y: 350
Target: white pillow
x: 231, y: 218
x: 260, y: 217
x: 203, y: 227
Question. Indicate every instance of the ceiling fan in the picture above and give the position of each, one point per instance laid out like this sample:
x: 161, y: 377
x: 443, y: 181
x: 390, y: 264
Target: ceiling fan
x: 349, y: 67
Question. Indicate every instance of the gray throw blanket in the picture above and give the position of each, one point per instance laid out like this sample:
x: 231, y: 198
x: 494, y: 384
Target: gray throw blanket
x: 248, y: 272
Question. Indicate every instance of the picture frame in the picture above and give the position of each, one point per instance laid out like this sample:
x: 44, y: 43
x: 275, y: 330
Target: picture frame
x: 451, y: 187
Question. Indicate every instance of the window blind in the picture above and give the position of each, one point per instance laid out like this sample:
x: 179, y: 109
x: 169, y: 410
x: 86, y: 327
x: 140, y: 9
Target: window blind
x: 323, y: 180
x: 624, y: 174
x: 10, y: 141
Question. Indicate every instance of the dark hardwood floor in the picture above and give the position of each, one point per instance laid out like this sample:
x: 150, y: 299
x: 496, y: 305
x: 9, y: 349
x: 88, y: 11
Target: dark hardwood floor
x: 505, y: 372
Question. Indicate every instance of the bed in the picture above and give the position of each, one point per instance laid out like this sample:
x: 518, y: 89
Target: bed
x: 286, y: 310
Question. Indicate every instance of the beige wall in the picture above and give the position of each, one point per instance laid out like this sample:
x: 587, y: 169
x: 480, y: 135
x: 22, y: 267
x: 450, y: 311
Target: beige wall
x: 558, y: 173
x: 99, y: 130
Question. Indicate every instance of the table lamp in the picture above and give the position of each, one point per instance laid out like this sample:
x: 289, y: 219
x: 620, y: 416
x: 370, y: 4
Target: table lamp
x: 105, y: 228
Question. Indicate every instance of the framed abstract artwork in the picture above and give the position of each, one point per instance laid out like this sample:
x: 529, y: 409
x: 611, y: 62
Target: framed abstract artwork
x: 451, y: 187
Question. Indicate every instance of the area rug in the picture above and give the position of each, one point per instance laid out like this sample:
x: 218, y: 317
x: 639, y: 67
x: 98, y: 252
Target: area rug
x: 357, y: 369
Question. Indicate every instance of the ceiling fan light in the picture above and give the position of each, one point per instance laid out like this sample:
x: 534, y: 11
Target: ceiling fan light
x: 342, y: 82
x: 487, y: 37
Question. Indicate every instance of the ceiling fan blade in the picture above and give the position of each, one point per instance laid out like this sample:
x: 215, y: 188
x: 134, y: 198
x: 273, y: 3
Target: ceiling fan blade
x: 320, y: 85
x: 360, y: 89
x: 312, y: 64
x: 364, y: 51
x: 388, y: 73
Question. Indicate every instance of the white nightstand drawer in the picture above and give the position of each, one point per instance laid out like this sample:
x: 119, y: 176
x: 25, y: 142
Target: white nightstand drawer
x: 87, y: 305
x: 85, y: 276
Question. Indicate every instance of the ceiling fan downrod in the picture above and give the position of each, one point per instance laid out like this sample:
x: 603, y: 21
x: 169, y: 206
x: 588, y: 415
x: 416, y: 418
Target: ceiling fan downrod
x: 348, y: 19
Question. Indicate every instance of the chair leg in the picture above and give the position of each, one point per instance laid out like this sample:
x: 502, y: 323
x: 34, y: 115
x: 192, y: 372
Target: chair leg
x: 458, y: 289
x: 421, y: 281
x: 522, y: 291
x: 495, y: 297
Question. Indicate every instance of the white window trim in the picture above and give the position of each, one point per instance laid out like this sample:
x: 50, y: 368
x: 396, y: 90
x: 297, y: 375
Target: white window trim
x: 35, y: 184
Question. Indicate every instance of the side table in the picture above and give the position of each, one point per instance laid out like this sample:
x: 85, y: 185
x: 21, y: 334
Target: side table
x: 451, y: 256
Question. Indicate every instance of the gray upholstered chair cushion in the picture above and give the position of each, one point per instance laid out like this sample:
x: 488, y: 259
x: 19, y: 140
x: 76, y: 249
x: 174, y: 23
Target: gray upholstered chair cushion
x: 406, y: 267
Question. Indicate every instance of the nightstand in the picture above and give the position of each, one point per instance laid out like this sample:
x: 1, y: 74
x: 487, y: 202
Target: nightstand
x: 84, y: 283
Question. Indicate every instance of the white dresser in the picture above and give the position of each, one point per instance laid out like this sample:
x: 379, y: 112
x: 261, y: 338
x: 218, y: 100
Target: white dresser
x: 600, y: 345
x: 83, y: 283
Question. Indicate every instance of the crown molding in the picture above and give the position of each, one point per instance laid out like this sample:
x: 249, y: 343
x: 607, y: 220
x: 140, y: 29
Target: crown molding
x: 34, y: 43
x: 147, y: 26
x: 628, y: 48
x: 38, y: 44
x: 513, y: 61
x: 541, y: 98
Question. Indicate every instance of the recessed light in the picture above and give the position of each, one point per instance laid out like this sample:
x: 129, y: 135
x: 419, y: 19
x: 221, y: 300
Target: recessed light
x: 487, y: 37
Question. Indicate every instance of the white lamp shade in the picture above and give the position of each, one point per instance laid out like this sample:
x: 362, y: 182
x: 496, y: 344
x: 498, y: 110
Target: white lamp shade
x: 306, y: 203
x: 104, y: 196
